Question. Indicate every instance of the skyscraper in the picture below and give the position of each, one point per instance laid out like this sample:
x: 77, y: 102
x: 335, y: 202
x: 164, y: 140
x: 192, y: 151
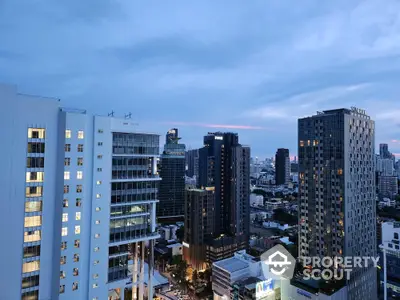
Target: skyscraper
x: 224, y: 165
x: 172, y: 185
x: 337, y: 191
x: 192, y: 163
x: 282, y: 166
x: 80, y: 192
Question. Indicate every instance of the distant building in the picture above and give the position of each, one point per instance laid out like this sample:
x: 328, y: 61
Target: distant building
x: 172, y: 185
x: 282, y: 167
x: 388, y: 186
x: 192, y: 163
x: 312, y: 290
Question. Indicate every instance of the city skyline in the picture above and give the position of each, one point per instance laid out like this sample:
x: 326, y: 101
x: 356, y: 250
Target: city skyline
x: 250, y: 69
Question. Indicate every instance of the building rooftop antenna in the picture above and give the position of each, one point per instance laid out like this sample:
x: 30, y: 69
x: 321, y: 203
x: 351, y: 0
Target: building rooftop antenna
x: 111, y: 114
x: 128, y: 116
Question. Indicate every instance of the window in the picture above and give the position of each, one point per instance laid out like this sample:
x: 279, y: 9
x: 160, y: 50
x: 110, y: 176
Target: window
x: 80, y: 148
x: 78, y: 202
x: 76, y: 257
x: 95, y: 285
x: 32, y: 266
x: 33, y: 191
x: 62, y: 274
x: 34, y: 176
x: 99, y: 156
x: 98, y: 208
x: 98, y: 196
x: 67, y: 134
x: 396, y: 236
x: 97, y: 235
x: 67, y: 161
x: 77, y: 243
x: 98, y: 182
x: 95, y: 276
x: 96, y: 262
x: 99, y: 169
x: 30, y: 281
x: 80, y: 161
x: 31, y: 251
x: 33, y: 221
x: 75, y: 272
x: 64, y: 231
x: 79, y: 175
x: 65, y: 203
x: 96, y: 249
x: 66, y: 188
x: 78, y: 215
x: 97, y: 222
x: 100, y: 144
x: 66, y: 175
x: 63, y: 245
x: 36, y: 133
x: 80, y: 134
x: 33, y: 206
x: 32, y: 236
x: 63, y: 260
x: 62, y: 289
x: 74, y: 286
x: 100, y: 131
x: 65, y: 217
x: 67, y: 147
x: 35, y: 162
x: 35, y: 147
x: 79, y: 188
x: 77, y: 229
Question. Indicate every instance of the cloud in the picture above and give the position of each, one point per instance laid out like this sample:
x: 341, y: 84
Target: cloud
x: 220, y: 126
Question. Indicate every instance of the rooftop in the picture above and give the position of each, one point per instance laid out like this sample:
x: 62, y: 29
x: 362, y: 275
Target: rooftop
x: 232, y: 264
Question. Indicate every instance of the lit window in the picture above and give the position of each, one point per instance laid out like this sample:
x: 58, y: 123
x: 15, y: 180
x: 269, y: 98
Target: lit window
x: 79, y: 188
x: 79, y: 175
x: 98, y: 208
x: 78, y: 215
x: 65, y: 217
x: 96, y: 249
x: 62, y: 289
x: 80, y: 161
x: 32, y: 236
x: 29, y: 267
x: 99, y: 169
x: 95, y: 276
x: 78, y: 202
x: 33, y: 221
x: 67, y: 148
x: 76, y: 257
x: 62, y: 274
x: 74, y: 286
x: 96, y: 262
x: 33, y: 206
x: 95, y: 285
x: 33, y: 191
x: 80, y: 134
x: 80, y: 148
x: 100, y: 156
x: 98, y: 196
x: 64, y: 231
x: 66, y: 175
x: 98, y: 182
x: 65, y: 203
x: 77, y: 243
x: 63, y: 245
x: 77, y: 229
x: 97, y: 235
x: 66, y: 189
x: 36, y: 133
x: 67, y: 134
x: 75, y: 272
x: 63, y: 260
x: 34, y: 176
x: 67, y: 161
x: 97, y: 222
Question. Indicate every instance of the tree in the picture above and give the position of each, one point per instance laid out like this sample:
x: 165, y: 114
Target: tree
x: 281, y: 215
x: 194, y: 278
x: 180, y: 233
x: 259, y: 192
x: 176, y: 259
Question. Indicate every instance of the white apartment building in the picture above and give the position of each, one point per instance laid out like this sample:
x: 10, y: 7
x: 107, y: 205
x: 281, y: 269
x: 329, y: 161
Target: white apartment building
x: 80, y: 194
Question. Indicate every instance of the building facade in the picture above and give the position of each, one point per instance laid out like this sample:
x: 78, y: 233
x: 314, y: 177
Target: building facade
x: 172, y: 186
x: 282, y: 166
x: 192, y: 163
x: 83, y: 194
x: 337, y: 201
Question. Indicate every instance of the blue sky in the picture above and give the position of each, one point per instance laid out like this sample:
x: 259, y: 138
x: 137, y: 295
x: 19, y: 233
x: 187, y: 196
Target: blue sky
x: 252, y: 67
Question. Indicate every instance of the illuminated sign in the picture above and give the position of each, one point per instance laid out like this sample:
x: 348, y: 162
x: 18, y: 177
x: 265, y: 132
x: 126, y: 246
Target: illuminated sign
x: 185, y: 245
x: 219, y: 138
x: 264, y: 288
x: 304, y: 293
x: 358, y: 110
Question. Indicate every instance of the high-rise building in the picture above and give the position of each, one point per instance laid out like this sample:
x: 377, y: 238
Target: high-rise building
x: 337, y: 198
x: 384, y: 151
x: 192, y: 163
x: 224, y: 165
x: 80, y: 192
x: 282, y: 167
x: 388, y: 186
x: 172, y: 185
x: 199, y: 225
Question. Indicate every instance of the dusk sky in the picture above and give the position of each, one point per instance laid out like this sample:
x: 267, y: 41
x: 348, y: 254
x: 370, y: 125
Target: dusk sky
x: 251, y: 67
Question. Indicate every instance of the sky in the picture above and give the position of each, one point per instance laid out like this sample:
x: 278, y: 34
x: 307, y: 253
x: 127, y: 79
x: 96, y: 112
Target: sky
x: 251, y: 67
